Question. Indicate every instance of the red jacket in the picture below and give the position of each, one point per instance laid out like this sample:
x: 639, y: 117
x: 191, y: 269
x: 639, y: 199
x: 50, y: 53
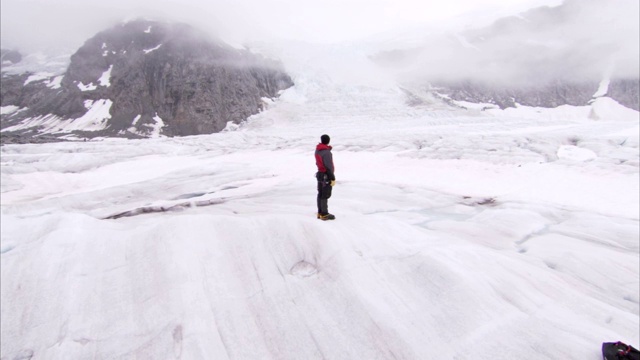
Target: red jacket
x: 324, y: 160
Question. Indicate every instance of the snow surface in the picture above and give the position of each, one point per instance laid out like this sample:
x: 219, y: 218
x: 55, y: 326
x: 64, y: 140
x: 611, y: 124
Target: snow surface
x: 603, y: 88
x: 136, y: 119
x: 38, y: 77
x: 146, y: 51
x: 605, y: 108
x: 477, y: 106
x: 460, y: 234
x: 56, y: 82
x: 95, y: 119
x: 9, y: 109
x: 156, y: 127
x: 89, y: 87
x: 105, y: 78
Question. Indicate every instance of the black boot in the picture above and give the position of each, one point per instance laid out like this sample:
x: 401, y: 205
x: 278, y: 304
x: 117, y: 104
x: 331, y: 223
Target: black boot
x: 326, y: 216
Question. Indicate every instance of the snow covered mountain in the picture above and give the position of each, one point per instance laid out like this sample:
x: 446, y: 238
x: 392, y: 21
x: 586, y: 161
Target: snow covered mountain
x: 545, y: 57
x: 148, y: 79
x: 142, y: 79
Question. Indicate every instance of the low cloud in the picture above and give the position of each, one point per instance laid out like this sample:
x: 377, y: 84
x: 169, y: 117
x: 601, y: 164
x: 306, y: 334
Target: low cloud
x: 40, y: 24
x: 581, y: 40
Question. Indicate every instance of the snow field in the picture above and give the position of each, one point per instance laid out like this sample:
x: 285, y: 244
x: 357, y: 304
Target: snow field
x: 459, y: 235
x: 421, y: 258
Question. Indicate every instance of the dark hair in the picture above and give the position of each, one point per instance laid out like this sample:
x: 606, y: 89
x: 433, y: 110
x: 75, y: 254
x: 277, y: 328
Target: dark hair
x: 325, y: 139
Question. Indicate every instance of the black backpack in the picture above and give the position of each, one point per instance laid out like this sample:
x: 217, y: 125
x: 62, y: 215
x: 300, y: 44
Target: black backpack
x: 619, y: 351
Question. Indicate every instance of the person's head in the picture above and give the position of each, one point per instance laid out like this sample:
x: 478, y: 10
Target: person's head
x: 325, y: 139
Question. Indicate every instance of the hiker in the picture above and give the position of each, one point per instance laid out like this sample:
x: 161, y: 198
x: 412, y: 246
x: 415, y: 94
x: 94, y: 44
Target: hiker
x: 326, y: 177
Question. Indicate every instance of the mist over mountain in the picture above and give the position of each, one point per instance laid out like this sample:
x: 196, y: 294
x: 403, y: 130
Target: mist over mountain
x: 149, y: 78
x: 142, y: 79
x: 547, y: 56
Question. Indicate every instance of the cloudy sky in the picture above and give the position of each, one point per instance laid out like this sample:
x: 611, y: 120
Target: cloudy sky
x: 29, y: 24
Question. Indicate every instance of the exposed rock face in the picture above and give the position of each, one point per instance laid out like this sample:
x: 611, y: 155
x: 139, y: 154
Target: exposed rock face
x: 10, y: 56
x: 626, y: 92
x: 146, y: 78
x: 550, y: 95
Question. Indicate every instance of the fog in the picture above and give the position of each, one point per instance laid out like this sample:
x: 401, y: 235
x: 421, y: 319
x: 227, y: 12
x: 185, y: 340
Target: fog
x: 580, y: 40
x: 36, y: 24
x: 507, y: 43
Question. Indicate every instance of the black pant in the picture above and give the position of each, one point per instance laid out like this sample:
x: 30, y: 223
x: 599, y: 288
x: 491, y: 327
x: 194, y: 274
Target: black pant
x: 324, y: 193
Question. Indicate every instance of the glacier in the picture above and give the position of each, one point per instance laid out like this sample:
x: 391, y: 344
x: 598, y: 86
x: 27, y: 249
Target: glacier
x: 460, y: 234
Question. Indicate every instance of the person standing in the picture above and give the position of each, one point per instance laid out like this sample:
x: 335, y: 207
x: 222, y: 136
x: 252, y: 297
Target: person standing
x: 326, y: 177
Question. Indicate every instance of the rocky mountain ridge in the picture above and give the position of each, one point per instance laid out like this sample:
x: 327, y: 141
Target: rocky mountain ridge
x: 550, y: 95
x: 142, y: 79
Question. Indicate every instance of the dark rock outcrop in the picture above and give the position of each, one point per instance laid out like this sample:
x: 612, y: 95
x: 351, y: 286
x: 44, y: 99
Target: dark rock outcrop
x: 10, y: 56
x: 626, y: 92
x: 153, y: 78
x: 550, y: 95
x: 553, y: 94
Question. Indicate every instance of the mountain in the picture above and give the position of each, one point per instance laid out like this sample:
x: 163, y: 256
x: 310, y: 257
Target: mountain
x: 142, y: 79
x: 10, y: 57
x: 546, y: 57
x: 146, y: 79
